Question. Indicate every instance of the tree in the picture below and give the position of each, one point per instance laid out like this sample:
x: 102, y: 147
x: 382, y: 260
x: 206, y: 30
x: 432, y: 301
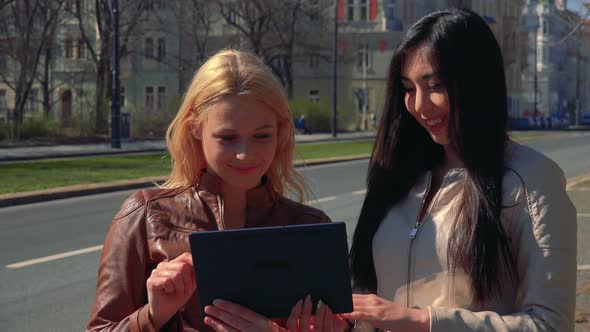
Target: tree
x: 195, y: 23
x: 100, y: 46
x: 279, y: 32
x: 47, y: 57
x: 25, y: 28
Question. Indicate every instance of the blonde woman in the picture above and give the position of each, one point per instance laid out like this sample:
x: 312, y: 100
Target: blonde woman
x: 231, y: 145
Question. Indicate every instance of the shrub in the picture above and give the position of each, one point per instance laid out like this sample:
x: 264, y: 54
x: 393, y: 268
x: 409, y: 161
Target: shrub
x: 83, y: 123
x: 38, y: 126
x: 318, y: 116
x: 153, y: 123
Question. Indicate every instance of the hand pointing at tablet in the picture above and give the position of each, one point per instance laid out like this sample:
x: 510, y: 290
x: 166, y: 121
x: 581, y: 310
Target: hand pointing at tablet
x: 169, y: 286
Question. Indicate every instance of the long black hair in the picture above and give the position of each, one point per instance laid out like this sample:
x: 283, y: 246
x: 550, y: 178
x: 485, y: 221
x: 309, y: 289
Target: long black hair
x: 468, y: 60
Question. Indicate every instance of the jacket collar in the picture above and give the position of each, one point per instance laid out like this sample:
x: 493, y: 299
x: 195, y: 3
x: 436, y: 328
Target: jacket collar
x: 259, y: 200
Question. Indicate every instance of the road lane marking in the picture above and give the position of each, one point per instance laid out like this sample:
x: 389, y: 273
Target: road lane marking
x: 54, y: 257
x: 321, y: 200
x: 99, y: 247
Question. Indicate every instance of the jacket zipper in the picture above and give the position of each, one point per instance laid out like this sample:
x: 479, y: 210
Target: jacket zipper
x: 414, y: 231
x: 221, y: 207
x: 413, y: 234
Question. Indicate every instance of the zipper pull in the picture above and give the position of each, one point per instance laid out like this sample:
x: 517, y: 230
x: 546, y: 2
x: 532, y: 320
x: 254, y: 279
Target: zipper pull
x: 414, y: 231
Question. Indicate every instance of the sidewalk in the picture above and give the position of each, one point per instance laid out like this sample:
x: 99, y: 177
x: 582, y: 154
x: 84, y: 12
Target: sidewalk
x: 65, y: 151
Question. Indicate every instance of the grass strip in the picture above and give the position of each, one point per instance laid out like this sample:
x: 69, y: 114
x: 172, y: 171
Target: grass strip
x: 529, y: 135
x: 47, y: 174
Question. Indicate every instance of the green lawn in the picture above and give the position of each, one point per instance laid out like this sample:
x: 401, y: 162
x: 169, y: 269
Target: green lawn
x: 336, y: 149
x: 527, y: 135
x: 37, y: 175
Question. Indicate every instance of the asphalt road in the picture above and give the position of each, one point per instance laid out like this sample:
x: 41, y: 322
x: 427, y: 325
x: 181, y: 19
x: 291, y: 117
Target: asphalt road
x: 56, y: 293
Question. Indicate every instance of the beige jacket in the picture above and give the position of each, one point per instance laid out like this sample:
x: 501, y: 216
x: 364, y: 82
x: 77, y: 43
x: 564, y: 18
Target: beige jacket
x: 540, y: 222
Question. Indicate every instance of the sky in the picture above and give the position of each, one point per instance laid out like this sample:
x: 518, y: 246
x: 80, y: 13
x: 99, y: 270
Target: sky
x: 576, y: 5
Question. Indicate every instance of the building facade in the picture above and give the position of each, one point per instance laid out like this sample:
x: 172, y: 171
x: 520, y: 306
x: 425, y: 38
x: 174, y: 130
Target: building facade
x: 555, y: 78
x: 368, y: 32
x: 170, y: 40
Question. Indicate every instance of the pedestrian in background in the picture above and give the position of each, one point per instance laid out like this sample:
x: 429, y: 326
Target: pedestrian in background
x: 461, y: 229
x: 231, y: 145
x: 302, y: 126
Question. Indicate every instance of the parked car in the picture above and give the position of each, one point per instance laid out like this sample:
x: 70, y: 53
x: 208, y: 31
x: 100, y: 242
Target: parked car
x: 585, y: 120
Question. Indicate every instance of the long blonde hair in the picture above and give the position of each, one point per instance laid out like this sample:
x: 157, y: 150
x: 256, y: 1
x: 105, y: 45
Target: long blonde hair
x: 232, y: 73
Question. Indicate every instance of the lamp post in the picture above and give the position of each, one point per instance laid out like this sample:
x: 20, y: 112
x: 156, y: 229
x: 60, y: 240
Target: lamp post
x: 535, y: 82
x: 530, y: 22
x: 335, y: 70
x: 116, y: 88
x: 365, y: 92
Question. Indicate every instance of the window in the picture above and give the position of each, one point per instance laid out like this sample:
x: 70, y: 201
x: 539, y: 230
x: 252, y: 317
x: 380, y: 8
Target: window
x: 3, y: 63
x: 362, y: 58
x: 80, y: 52
x: 314, y: 10
x: 390, y: 8
x: 363, y: 10
x: 79, y: 7
x: 314, y: 96
x: 3, y: 104
x: 31, y: 104
x: 161, y: 49
x: 544, y: 25
x: 159, y: 4
x: 232, y: 14
x: 122, y: 96
x: 350, y: 10
x: 149, y: 98
x: 68, y: 48
x: 72, y: 7
x: 149, y: 48
x: 161, y: 97
x: 314, y: 61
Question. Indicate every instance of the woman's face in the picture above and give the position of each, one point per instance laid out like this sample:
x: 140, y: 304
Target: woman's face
x: 239, y: 138
x: 425, y: 96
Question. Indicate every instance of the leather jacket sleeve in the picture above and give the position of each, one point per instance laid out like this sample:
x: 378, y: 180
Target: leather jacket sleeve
x: 121, y: 297
x: 543, y: 233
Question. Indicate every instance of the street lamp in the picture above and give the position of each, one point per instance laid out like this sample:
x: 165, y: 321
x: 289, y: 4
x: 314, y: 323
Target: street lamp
x: 116, y: 88
x: 335, y: 70
x: 531, y: 24
x: 539, y: 12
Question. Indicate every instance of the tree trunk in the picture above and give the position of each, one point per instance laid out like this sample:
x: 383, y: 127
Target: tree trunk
x: 289, y: 77
x: 102, y: 94
x: 45, y: 81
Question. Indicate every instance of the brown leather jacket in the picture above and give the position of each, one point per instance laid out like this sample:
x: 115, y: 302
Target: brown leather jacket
x: 152, y: 226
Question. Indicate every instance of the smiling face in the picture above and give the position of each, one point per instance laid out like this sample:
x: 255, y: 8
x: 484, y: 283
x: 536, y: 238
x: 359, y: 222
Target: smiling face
x: 239, y: 139
x: 426, y: 97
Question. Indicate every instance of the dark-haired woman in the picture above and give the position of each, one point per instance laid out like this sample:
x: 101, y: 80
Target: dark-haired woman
x: 462, y: 229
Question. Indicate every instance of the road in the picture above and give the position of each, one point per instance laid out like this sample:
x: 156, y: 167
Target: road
x: 56, y: 293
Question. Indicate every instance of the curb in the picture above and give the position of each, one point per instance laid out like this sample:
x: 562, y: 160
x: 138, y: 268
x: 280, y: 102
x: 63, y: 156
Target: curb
x: 576, y: 180
x: 105, y: 187
x: 37, y: 196
x: 136, y: 151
